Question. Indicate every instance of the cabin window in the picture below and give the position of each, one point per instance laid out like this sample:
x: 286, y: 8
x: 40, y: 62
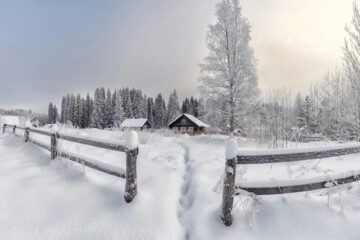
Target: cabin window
x: 183, y: 128
x: 183, y: 121
x: 191, y: 129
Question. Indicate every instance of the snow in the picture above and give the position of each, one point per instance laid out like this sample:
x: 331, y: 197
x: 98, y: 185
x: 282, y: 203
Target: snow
x: 43, y: 199
x: 10, y: 120
x: 54, y: 128
x: 191, y: 118
x: 179, y: 193
x: 231, y: 148
x: 133, y: 123
x: 132, y: 141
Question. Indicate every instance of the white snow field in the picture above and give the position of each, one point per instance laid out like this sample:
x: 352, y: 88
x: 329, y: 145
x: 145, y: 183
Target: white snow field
x: 179, y: 194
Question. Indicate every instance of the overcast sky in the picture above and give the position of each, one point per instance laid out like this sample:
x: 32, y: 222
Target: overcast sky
x: 50, y: 48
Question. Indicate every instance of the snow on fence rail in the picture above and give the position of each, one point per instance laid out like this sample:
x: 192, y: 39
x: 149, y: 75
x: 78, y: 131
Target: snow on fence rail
x: 234, y: 157
x: 129, y: 147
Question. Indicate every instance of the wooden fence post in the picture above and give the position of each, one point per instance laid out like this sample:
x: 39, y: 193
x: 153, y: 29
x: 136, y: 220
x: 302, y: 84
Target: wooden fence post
x: 14, y: 129
x: 53, y: 146
x: 26, y: 134
x: 229, y: 181
x: 4, y: 128
x: 132, y: 151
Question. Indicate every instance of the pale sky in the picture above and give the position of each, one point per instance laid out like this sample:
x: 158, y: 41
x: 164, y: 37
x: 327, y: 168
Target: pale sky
x: 50, y: 48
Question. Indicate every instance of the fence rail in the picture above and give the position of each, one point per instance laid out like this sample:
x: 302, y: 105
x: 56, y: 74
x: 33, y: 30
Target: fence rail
x: 297, y: 156
x: 131, y: 154
x: 230, y: 187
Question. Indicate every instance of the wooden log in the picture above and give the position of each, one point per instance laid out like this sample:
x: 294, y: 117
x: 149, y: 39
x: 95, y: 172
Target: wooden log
x: 94, y: 143
x: 228, y: 191
x: 39, y: 144
x: 291, y: 157
x: 84, y: 162
x: 40, y: 132
x: 131, y: 175
x: 14, y: 129
x: 26, y: 134
x: 299, y: 188
x: 53, y: 146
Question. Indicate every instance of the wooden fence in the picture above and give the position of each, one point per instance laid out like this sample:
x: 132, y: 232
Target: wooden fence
x: 230, y: 186
x: 131, y: 155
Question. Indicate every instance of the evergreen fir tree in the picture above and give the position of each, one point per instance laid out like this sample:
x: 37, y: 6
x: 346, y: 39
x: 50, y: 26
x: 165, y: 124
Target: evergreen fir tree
x: 173, y: 109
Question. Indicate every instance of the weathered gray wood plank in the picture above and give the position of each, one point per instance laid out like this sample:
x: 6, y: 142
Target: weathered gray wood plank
x: 114, y: 147
x: 131, y: 175
x: 78, y: 159
x: 40, y: 132
x: 90, y: 165
x: 228, y: 191
x: 291, y: 157
x: 299, y: 188
x: 39, y: 144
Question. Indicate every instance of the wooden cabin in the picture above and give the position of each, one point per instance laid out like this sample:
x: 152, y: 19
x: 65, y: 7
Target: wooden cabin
x: 187, y: 123
x: 135, y: 124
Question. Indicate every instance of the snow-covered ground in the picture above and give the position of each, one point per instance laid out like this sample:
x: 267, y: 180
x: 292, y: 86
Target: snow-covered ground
x: 179, y: 193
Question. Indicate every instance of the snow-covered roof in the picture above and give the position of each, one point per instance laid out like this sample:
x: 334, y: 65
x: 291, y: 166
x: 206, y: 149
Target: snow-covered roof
x: 191, y: 118
x: 133, y: 123
x: 11, y: 120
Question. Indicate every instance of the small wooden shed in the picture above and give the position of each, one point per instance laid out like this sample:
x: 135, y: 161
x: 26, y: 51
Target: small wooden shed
x: 135, y: 124
x: 187, y: 123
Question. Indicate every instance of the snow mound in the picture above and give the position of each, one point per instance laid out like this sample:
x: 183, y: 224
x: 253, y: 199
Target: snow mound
x: 131, y: 140
x: 10, y: 120
x: 231, y: 148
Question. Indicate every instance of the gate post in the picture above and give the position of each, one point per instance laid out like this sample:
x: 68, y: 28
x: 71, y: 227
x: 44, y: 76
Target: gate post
x: 132, y: 151
x: 53, y: 146
x: 229, y: 181
x: 14, y: 129
x: 26, y: 134
x: 4, y: 128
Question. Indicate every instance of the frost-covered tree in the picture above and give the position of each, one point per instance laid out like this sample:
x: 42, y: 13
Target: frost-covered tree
x: 299, y: 114
x: 67, y: 117
x: 128, y: 113
x: 72, y: 116
x: 108, y: 110
x: 173, y: 109
x: 159, y: 112
x: 98, y: 118
x: 52, y: 113
x: 63, y: 110
x: 201, y: 109
x: 78, y: 111
x: 351, y: 51
x: 150, y: 110
x: 229, y: 72
x: 185, y: 108
x: 87, y: 111
x: 119, y: 110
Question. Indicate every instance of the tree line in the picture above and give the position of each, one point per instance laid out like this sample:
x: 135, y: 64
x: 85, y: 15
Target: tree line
x: 107, y: 109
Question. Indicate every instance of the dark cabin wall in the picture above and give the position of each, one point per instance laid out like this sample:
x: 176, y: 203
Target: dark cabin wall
x: 184, y: 122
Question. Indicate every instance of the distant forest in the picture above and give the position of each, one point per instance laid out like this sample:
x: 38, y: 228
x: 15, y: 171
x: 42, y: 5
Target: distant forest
x: 107, y: 108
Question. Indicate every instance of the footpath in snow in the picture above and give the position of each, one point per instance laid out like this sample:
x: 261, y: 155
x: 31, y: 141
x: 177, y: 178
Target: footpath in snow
x: 179, y: 185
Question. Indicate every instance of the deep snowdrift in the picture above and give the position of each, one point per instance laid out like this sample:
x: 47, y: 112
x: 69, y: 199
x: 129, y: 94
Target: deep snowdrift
x: 179, y: 180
